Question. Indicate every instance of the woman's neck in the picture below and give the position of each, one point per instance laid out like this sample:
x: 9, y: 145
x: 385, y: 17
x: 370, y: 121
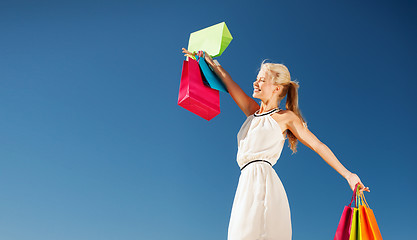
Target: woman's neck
x: 265, y: 107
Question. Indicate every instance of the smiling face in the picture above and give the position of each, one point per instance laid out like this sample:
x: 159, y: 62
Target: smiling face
x: 263, y: 87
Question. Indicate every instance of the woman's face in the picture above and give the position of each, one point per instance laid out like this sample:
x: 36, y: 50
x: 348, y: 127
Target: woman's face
x: 263, y: 87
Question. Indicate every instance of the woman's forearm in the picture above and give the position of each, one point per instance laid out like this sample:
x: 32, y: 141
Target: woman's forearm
x: 331, y: 159
x: 245, y: 103
x: 222, y: 74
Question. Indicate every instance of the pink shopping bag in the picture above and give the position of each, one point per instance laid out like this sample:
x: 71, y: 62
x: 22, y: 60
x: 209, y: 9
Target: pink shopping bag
x: 345, y: 223
x: 343, y: 230
x: 194, y: 95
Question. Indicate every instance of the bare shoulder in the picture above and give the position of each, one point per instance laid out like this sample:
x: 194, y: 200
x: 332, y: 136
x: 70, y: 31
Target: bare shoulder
x: 285, y: 118
x: 287, y: 115
x: 292, y: 117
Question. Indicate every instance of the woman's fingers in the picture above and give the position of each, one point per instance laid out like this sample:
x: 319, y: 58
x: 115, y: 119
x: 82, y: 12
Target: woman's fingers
x: 192, y: 54
x: 199, y: 53
x: 186, y: 51
x: 363, y: 188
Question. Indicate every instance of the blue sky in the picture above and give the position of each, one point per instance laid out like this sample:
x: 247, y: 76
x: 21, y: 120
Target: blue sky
x: 94, y: 145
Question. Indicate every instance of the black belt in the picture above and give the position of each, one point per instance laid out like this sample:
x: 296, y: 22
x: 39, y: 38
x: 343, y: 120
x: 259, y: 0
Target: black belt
x: 253, y: 162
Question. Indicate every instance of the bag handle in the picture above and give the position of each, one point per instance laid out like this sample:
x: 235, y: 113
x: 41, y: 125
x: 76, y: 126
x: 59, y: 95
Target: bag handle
x: 362, y: 200
x: 354, y: 195
x: 362, y: 196
x: 197, y: 58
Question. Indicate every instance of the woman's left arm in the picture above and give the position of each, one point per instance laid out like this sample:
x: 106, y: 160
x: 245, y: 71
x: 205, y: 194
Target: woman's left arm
x: 303, y: 134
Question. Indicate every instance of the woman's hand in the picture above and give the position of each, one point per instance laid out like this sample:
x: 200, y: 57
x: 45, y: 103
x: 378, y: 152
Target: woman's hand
x: 188, y: 53
x: 207, y: 56
x: 353, y: 179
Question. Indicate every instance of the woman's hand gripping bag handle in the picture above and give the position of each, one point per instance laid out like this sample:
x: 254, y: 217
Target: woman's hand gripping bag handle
x: 343, y: 229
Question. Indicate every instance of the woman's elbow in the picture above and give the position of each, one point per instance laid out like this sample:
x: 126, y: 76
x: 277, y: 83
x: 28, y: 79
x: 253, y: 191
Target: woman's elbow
x: 318, y: 146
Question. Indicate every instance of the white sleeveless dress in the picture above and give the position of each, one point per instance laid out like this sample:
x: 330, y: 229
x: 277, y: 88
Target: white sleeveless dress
x: 260, y: 208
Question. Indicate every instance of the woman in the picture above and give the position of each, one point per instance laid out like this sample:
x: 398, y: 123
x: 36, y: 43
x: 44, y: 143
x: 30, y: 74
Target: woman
x: 260, y: 207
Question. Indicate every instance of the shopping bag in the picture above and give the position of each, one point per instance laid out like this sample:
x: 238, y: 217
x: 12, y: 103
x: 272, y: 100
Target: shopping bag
x: 214, y: 39
x: 343, y: 229
x: 355, y: 229
x: 194, y: 95
x: 369, y: 226
x: 211, y: 78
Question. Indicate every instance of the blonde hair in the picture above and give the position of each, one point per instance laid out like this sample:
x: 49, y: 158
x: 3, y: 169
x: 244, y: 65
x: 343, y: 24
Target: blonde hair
x: 280, y: 74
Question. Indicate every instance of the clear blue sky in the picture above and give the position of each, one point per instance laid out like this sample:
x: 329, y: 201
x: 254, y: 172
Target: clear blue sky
x: 94, y: 146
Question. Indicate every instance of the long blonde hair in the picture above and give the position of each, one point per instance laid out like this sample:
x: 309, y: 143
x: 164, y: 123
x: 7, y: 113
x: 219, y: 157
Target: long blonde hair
x: 281, y: 75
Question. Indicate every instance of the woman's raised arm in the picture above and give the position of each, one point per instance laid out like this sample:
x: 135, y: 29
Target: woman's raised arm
x: 245, y: 102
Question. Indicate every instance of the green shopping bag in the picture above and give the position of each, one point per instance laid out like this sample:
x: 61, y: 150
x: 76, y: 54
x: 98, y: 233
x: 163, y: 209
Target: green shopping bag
x: 355, y: 228
x: 214, y: 40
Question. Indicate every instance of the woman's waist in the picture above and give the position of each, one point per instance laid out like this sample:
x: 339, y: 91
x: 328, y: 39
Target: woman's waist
x: 255, y: 161
x: 242, y: 161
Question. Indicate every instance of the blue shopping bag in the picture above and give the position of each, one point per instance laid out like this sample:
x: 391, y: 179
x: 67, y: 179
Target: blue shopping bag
x: 211, y: 78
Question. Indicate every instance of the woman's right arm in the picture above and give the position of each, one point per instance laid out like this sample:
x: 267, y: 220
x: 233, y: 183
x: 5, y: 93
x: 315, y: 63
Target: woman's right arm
x: 245, y: 103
